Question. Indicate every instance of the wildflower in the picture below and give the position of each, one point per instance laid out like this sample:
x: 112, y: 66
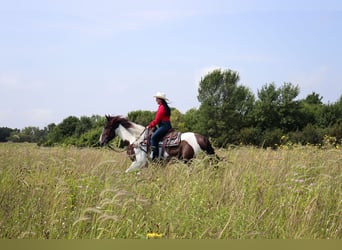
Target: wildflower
x: 154, y: 235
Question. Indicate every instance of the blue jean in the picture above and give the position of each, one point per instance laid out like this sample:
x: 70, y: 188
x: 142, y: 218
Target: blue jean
x: 163, y: 128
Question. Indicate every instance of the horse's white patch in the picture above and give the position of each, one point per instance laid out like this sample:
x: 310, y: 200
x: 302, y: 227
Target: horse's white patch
x: 141, y: 159
x: 191, y: 139
x: 101, y: 137
x: 128, y: 135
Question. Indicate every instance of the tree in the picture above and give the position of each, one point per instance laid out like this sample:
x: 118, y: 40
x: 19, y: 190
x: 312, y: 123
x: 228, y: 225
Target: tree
x: 331, y: 114
x: 190, y: 119
x: 61, y: 132
x: 314, y: 99
x: 277, y: 108
x: 266, y: 114
x: 290, y: 117
x: 5, y: 133
x: 68, y: 126
x: 142, y: 117
x: 177, y: 120
x: 225, y: 106
x: 85, y: 123
x: 31, y: 134
x: 311, y: 109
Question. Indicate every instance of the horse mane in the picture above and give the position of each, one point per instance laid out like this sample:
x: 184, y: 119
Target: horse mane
x: 117, y: 120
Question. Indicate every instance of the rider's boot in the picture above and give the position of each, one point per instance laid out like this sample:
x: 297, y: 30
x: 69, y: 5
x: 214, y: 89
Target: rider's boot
x: 155, y: 153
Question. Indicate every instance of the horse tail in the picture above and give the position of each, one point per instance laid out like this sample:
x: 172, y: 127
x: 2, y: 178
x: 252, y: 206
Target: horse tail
x: 209, y: 149
x: 206, y: 146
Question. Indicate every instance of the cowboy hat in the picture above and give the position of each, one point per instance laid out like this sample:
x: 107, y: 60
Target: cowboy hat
x: 161, y: 95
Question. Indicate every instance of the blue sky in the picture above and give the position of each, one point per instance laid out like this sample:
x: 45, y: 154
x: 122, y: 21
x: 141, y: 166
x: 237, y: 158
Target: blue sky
x: 82, y: 57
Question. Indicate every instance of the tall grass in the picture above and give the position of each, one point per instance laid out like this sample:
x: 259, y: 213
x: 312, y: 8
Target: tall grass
x: 69, y: 193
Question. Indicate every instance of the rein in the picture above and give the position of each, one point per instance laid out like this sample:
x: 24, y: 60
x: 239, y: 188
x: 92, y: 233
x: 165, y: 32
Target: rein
x: 115, y: 150
x: 139, y: 136
x: 140, y: 144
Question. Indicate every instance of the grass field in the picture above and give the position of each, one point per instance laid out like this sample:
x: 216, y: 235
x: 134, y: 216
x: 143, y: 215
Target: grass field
x: 70, y: 193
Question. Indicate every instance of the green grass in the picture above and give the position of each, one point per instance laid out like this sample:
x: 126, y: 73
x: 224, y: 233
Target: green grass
x: 70, y: 193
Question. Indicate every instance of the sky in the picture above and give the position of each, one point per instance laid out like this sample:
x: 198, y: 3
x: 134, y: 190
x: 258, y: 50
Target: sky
x: 83, y: 58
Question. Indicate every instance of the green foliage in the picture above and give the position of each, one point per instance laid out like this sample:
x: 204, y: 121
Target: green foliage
x: 142, y: 117
x: 277, y: 108
x: 28, y: 134
x: 68, y: 126
x: 311, y: 111
x: 272, y: 138
x: 331, y: 114
x: 191, y: 118
x: 311, y: 135
x: 5, y: 134
x: 89, y: 138
x: 225, y: 106
x: 250, y: 136
x: 177, y: 120
x: 83, y: 132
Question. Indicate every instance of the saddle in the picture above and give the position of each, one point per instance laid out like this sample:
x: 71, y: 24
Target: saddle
x: 171, y: 139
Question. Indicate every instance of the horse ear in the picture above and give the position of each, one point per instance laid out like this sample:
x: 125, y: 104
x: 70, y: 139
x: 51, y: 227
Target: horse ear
x: 107, y: 117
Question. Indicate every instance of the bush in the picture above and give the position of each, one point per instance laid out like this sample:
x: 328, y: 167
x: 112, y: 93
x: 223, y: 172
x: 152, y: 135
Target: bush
x: 335, y: 131
x: 312, y: 135
x: 250, y: 136
x: 272, y: 138
x: 89, y: 138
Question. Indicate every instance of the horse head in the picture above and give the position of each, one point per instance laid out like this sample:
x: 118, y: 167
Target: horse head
x: 119, y: 126
x: 108, y: 132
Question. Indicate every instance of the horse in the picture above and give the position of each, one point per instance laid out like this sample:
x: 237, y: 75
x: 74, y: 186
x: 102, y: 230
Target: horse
x: 190, y: 143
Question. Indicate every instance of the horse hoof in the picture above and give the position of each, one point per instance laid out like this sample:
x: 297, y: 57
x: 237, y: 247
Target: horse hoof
x: 128, y: 170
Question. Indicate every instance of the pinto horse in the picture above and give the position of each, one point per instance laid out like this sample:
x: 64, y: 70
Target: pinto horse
x: 189, y: 146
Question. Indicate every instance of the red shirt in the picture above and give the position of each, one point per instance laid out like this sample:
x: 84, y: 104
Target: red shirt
x: 160, y: 117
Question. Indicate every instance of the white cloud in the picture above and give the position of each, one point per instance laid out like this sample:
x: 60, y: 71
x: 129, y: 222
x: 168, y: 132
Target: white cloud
x: 24, y: 118
x: 97, y: 18
x: 312, y: 79
x: 5, y: 117
x: 20, y: 82
x: 9, y: 81
x: 40, y: 115
x: 320, y: 80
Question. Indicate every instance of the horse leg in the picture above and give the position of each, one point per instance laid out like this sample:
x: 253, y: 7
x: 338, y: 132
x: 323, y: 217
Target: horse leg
x: 141, y: 160
x: 186, y: 152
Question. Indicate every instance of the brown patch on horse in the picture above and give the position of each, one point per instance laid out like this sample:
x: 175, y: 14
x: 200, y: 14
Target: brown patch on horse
x: 187, y: 151
x: 184, y: 151
x: 130, y: 152
x: 115, y: 121
x: 205, y: 144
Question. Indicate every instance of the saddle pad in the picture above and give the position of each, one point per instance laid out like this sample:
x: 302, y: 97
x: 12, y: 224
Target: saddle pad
x: 172, y: 139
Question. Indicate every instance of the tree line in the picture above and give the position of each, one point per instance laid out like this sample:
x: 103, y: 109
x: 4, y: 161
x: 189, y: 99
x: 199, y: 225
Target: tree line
x: 229, y: 113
